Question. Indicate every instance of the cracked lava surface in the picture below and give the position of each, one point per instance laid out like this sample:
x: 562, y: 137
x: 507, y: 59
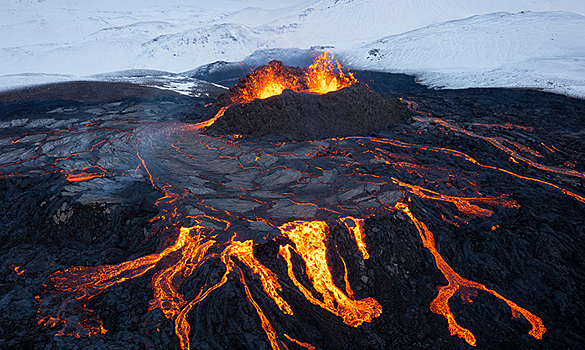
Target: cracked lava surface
x: 223, y: 197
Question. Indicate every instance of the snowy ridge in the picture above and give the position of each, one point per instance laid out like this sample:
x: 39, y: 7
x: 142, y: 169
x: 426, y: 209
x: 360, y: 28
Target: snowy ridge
x: 536, y: 50
x: 340, y: 22
x: 18, y: 81
x: 226, y: 42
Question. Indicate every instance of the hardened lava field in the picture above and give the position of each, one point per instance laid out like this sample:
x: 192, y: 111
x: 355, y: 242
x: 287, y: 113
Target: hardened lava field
x: 455, y: 222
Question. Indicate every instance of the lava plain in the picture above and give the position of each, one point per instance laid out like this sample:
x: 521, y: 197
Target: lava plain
x: 460, y: 226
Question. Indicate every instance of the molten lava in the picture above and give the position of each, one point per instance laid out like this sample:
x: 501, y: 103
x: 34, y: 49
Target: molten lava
x: 440, y: 305
x: 86, y: 174
x: 356, y: 230
x: 84, y: 283
x: 309, y: 239
x: 321, y: 77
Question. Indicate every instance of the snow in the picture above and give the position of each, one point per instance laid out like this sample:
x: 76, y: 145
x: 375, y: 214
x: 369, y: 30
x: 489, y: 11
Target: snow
x: 223, y: 41
x: 534, y: 50
x: 16, y: 81
x: 449, y: 43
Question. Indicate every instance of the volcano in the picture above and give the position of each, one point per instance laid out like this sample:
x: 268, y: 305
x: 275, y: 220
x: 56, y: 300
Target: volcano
x: 359, y: 211
x: 320, y: 101
x: 354, y: 110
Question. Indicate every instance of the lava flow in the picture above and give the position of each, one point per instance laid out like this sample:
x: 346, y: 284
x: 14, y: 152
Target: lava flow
x: 309, y: 238
x: 440, y: 305
x: 194, y: 244
x: 226, y: 197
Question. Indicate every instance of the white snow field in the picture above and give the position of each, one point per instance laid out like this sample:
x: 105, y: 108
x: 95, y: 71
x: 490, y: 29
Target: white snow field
x: 544, y: 50
x: 448, y: 43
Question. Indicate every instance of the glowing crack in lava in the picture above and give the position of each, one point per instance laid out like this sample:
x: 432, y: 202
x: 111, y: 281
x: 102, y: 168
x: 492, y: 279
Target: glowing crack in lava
x: 212, y: 183
x: 83, y: 283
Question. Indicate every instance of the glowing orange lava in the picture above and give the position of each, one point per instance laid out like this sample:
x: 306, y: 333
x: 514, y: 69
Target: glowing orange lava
x: 245, y: 253
x: 84, y: 283
x: 498, y: 142
x: 464, y: 205
x: 19, y: 271
x: 319, y: 78
x: 304, y: 345
x: 356, y: 230
x: 207, y: 123
x: 87, y: 173
x: 305, y: 241
x: 309, y: 238
x: 440, y: 305
x: 468, y: 158
x: 322, y: 77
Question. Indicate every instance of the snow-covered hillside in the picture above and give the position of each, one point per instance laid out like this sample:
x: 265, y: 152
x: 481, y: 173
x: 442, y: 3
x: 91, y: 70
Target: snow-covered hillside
x: 180, y: 50
x: 63, y: 39
x: 85, y: 37
x: 541, y: 50
x: 342, y: 22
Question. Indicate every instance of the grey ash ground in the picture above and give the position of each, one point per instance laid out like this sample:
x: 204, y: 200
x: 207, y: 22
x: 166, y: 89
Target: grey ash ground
x: 532, y: 255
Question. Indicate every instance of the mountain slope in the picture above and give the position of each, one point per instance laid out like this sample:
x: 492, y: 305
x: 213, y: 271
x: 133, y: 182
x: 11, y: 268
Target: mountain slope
x: 342, y: 21
x: 194, y: 47
x: 82, y: 37
x: 543, y: 50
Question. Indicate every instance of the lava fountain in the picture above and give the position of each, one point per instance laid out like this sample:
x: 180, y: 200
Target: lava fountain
x: 322, y: 77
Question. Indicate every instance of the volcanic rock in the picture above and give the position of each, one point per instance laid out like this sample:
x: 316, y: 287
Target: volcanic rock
x: 84, y: 91
x: 355, y: 110
x: 158, y: 174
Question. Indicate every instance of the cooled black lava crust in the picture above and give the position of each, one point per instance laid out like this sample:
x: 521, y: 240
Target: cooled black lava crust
x: 355, y: 110
x: 534, y: 256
